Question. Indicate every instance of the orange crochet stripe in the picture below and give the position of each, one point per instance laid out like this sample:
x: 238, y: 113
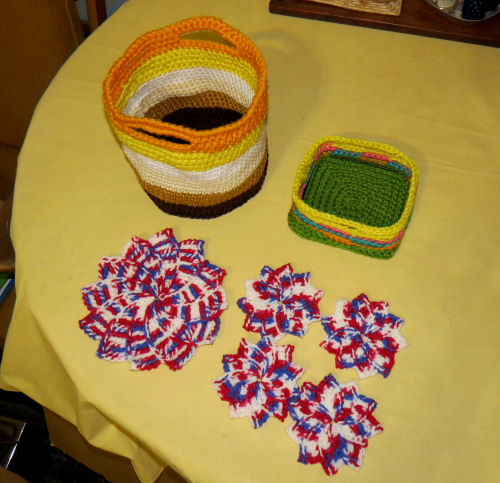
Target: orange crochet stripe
x: 162, y: 40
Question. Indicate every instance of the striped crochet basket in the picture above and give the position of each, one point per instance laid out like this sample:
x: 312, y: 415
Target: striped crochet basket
x: 354, y: 194
x: 190, y: 114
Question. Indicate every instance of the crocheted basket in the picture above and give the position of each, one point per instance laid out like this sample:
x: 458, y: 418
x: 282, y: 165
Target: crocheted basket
x: 190, y: 114
x: 354, y: 194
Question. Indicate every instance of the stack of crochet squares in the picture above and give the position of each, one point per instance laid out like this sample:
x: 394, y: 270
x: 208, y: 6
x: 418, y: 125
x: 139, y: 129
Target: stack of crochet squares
x: 354, y: 194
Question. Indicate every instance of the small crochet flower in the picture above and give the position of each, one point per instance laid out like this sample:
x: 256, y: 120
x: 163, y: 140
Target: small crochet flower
x: 259, y: 380
x: 280, y: 302
x: 333, y: 424
x: 364, y: 335
x: 156, y: 303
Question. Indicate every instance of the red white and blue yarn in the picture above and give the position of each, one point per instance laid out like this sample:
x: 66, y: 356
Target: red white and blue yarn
x: 259, y: 380
x: 156, y: 303
x: 333, y: 423
x: 280, y: 302
x: 364, y: 335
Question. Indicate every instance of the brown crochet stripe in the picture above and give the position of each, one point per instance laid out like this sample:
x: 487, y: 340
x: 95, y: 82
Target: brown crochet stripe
x: 203, y: 99
x: 205, y: 199
x: 210, y: 211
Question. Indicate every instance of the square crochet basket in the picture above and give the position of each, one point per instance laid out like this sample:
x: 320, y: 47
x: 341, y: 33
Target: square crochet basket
x: 354, y: 194
x: 190, y: 115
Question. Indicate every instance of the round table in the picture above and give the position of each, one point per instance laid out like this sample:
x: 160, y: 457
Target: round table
x: 77, y: 200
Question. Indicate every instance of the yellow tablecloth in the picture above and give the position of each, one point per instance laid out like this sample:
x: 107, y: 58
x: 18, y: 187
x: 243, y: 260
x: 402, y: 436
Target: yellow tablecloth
x: 77, y: 200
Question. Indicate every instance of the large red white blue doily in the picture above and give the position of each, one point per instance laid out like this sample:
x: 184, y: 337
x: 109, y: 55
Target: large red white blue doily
x: 156, y: 303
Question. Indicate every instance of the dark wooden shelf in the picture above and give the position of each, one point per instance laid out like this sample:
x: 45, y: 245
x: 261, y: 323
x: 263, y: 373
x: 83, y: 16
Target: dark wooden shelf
x: 417, y: 17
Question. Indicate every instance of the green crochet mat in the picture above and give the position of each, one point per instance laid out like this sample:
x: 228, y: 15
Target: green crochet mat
x: 357, y: 190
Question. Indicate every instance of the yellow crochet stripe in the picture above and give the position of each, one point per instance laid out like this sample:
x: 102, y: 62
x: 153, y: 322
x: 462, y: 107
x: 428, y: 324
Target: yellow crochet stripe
x: 185, y: 59
x: 352, y: 227
x: 191, y: 161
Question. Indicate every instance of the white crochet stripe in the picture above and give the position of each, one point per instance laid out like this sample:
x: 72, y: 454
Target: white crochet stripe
x: 217, y: 180
x: 186, y: 82
x: 186, y: 58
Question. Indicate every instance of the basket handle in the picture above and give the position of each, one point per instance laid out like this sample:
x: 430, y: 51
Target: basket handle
x: 213, y: 24
x: 151, y: 128
x: 171, y: 136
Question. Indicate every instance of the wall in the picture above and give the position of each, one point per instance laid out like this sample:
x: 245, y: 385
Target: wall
x: 111, y: 6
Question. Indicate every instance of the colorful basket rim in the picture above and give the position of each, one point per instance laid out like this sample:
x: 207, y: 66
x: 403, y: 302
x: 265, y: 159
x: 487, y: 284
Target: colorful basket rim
x: 383, y: 153
x: 168, y: 38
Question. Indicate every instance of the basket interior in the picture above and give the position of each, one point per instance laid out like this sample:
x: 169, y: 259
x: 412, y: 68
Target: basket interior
x: 198, y: 112
x: 357, y: 189
x: 192, y: 88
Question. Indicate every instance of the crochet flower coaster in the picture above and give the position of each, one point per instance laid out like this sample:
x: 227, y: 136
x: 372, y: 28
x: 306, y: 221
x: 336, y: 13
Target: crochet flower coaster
x: 333, y: 424
x: 364, y: 335
x: 259, y: 380
x: 280, y: 302
x: 156, y: 303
